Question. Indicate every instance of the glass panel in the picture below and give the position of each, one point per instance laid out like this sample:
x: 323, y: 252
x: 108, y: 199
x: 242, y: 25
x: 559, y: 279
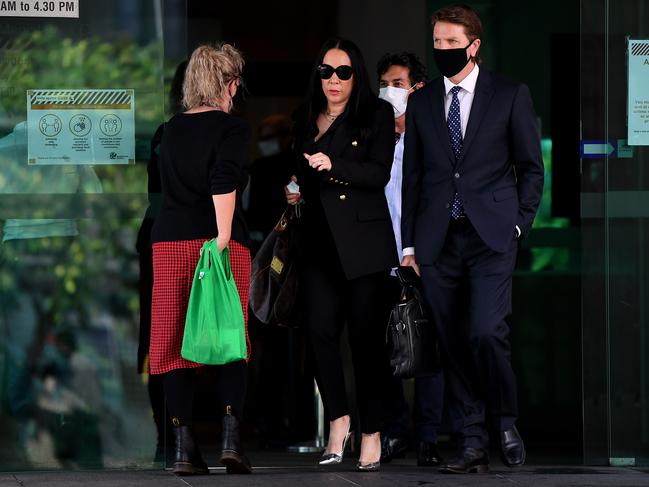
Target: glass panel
x: 69, y: 307
x: 593, y: 183
x: 627, y: 216
x: 614, y: 215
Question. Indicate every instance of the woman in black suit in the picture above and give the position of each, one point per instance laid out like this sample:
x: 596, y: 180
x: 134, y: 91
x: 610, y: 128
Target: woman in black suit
x: 344, y: 142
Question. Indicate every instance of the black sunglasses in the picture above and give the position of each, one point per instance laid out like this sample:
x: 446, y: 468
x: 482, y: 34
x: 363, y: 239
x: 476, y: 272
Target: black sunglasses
x: 343, y: 71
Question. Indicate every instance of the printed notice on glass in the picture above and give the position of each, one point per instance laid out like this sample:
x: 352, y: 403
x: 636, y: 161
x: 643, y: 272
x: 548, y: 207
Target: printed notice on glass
x: 638, y: 108
x: 80, y: 127
x: 39, y: 8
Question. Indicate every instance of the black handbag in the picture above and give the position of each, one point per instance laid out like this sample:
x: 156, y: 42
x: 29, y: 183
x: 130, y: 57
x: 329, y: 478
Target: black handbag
x: 274, y: 279
x: 410, y: 336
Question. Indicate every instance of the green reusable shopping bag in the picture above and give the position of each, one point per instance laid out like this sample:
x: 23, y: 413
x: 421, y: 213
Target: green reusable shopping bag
x: 214, y: 327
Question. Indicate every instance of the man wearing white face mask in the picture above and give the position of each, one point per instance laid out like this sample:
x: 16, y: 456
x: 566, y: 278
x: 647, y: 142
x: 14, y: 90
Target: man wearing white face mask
x: 399, y: 76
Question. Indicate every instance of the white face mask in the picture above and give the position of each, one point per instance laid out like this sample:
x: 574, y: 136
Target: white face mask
x: 397, y: 97
x: 269, y: 147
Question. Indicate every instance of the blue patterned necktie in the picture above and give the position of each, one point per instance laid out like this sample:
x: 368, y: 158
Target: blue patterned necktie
x: 455, y: 133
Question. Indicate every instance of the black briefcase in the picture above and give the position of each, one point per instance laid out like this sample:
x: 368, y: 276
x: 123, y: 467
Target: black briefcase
x: 411, y: 336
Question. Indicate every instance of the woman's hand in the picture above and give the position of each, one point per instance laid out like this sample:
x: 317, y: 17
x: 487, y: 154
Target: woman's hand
x: 319, y: 161
x: 292, y: 198
x: 224, y: 208
x: 222, y: 242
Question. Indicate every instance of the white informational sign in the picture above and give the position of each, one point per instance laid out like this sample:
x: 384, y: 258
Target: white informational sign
x: 80, y: 127
x: 39, y: 8
x: 638, y: 107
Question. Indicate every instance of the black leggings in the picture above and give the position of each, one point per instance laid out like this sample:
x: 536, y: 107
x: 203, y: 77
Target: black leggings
x: 331, y: 301
x: 230, y: 385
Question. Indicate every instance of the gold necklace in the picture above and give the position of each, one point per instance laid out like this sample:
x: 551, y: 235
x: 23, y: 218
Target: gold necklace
x: 332, y: 116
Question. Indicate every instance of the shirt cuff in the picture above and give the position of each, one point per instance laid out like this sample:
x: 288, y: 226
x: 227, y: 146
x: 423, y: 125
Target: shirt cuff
x: 408, y: 251
x: 518, y: 231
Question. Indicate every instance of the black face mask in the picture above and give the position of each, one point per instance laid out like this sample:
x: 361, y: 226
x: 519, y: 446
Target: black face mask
x: 451, y: 61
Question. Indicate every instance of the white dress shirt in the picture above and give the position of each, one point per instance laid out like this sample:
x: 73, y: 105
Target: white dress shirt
x: 465, y: 96
x: 393, y: 192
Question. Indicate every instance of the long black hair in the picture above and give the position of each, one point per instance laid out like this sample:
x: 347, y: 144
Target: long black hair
x: 362, y: 102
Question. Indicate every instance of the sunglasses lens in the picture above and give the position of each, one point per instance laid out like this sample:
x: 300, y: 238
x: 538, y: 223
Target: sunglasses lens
x: 325, y: 71
x: 344, y: 72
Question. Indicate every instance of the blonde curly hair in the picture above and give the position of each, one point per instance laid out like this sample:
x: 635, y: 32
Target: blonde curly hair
x: 209, y: 72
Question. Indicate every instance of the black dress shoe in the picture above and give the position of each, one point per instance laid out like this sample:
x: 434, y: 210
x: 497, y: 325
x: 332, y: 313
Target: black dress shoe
x: 392, y: 448
x: 512, y: 448
x: 427, y: 455
x: 470, y: 460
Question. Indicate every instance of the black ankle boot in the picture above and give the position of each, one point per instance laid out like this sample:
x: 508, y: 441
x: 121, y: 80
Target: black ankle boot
x: 188, y: 460
x: 231, y: 455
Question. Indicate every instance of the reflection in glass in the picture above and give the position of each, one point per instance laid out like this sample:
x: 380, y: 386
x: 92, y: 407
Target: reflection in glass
x: 69, y: 393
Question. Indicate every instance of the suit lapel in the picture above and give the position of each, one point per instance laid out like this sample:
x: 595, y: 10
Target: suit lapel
x: 341, y: 136
x: 439, y: 118
x: 483, y: 93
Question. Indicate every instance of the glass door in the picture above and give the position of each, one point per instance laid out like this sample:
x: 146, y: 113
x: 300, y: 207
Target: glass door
x: 614, y: 212
x: 82, y: 90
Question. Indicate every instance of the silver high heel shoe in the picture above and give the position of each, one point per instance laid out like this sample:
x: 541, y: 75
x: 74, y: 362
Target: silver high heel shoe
x: 335, y: 458
x: 368, y: 467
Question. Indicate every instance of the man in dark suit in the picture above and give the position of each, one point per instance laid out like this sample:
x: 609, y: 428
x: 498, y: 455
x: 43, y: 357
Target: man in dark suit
x: 472, y: 183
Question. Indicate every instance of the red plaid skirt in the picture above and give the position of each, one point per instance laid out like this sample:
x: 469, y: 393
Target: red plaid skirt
x: 174, y: 264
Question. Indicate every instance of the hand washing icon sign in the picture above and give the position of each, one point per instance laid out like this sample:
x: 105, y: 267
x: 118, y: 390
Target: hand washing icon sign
x: 80, y: 125
x: 50, y: 125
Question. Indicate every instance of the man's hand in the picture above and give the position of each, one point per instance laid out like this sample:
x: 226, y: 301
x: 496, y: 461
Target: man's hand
x: 409, y: 261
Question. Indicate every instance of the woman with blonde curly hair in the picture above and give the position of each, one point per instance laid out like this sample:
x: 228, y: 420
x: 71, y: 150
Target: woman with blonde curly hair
x: 202, y: 173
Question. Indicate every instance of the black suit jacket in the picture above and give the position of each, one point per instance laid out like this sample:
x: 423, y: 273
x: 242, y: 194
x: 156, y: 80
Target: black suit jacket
x: 499, y: 174
x: 352, y: 193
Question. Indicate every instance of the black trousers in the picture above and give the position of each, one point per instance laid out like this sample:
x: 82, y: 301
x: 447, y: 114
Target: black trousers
x: 429, y: 394
x: 469, y: 291
x: 428, y: 405
x: 330, y: 301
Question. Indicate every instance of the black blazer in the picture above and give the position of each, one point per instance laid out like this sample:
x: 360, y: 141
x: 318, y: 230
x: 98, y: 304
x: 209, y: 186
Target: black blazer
x: 352, y: 193
x: 499, y: 175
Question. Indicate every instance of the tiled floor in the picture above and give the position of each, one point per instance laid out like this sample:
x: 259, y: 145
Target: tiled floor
x: 284, y: 470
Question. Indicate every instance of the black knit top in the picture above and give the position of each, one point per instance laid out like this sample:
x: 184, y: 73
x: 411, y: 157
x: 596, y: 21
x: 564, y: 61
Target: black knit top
x: 202, y: 154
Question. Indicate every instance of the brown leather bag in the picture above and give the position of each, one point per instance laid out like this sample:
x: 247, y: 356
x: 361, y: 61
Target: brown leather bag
x: 274, y: 280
